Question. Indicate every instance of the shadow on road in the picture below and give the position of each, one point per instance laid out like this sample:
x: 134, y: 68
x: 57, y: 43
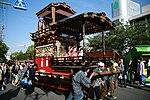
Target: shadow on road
x: 9, y: 94
x: 36, y: 96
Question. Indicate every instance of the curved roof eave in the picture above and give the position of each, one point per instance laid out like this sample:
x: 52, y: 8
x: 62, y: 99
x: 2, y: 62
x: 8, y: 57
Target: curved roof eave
x: 56, y: 5
x: 95, y: 22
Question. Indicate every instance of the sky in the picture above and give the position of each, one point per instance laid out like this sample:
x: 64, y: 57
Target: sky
x: 19, y: 23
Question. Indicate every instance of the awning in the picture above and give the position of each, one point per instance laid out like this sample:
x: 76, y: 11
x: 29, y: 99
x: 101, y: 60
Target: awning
x: 143, y: 48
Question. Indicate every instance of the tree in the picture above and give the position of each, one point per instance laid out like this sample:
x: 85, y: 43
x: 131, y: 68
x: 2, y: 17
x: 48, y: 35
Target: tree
x: 30, y: 52
x: 3, y: 50
x: 124, y: 37
x: 117, y: 39
x: 17, y: 56
x: 28, y: 55
x: 95, y: 42
x: 127, y: 36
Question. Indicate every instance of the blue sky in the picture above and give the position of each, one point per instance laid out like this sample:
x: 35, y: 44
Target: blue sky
x: 19, y: 23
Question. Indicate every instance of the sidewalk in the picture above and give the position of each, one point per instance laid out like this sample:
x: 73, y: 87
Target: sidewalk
x: 145, y: 87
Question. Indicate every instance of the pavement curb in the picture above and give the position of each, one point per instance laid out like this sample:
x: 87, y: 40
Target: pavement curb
x: 145, y: 87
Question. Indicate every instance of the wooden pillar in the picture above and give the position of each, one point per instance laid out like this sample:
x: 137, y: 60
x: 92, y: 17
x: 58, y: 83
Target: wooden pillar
x: 34, y: 52
x: 103, y: 43
x: 53, y: 14
x: 83, y: 36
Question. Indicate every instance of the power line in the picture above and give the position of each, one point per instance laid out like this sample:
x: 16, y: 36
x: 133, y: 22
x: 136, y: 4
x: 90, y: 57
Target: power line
x: 6, y: 3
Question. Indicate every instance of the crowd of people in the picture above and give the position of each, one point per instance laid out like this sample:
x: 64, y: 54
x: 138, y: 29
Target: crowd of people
x: 100, y: 83
x: 104, y: 79
x: 18, y: 74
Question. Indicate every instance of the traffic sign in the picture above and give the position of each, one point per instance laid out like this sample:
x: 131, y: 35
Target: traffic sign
x: 20, y: 4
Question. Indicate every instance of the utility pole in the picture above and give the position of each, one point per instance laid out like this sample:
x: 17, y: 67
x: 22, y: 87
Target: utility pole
x: 20, y: 4
x: 24, y: 51
x: 2, y: 26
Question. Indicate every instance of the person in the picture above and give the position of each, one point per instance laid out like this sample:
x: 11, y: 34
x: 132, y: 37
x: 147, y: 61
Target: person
x: 140, y: 71
x: 25, y: 77
x: 113, y: 79
x: 79, y: 79
x: 10, y: 72
x: 116, y: 68
x: 69, y: 51
x: 24, y: 71
x: 15, y: 71
x: 4, y: 69
x: 80, y: 53
x: 131, y: 71
x: 31, y: 78
x: 104, y: 87
x: 74, y: 51
x: 97, y: 82
x: 1, y: 78
x: 17, y: 82
x: 123, y: 74
x: 148, y: 69
x: 2, y: 85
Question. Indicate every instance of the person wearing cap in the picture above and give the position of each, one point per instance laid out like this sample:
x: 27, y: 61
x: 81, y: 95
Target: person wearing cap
x: 79, y: 79
x: 113, y: 79
x: 97, y: 82
x: 116, y: 68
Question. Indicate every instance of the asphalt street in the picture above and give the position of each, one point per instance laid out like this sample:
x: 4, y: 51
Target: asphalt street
x: 15, y: 93
x: 132, y: 93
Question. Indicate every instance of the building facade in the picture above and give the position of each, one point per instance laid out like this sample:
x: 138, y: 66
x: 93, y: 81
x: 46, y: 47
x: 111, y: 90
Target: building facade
x: 144, y: 16
x: 123, y: 10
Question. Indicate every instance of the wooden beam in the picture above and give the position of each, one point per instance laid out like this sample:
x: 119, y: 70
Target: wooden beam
x: 53, y: 14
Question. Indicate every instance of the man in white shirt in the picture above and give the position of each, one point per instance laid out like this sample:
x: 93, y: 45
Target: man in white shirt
x: 141, y: 70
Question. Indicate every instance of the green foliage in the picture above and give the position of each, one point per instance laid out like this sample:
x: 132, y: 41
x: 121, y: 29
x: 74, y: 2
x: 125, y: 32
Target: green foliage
x: 29, y: 55
x: 95, y: 43
x: 30, y: 52
x: 124, y: 37
x: 17, y: 56
x: 3, y: 50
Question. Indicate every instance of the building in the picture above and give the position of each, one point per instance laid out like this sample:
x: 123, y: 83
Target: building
x: 129, y: 11
x: 144, y: 16
x: 122, y: 10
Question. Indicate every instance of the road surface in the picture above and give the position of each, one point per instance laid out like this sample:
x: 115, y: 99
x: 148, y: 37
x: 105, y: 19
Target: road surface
x: 15, y: 93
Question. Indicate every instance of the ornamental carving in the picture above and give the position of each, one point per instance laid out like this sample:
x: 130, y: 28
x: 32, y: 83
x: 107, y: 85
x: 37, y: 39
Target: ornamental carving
x: 43, y: 51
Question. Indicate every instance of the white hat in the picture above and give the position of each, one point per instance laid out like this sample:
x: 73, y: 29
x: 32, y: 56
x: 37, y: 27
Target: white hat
x: 100, y: 64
